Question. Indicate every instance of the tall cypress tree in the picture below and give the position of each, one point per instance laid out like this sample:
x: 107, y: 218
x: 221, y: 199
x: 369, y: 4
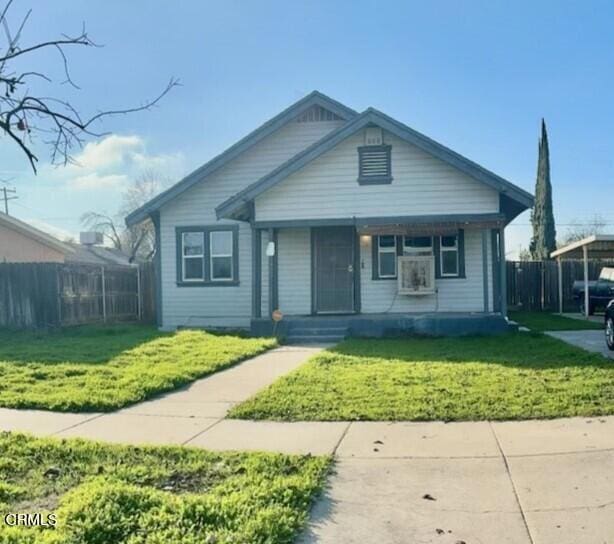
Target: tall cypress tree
x: 542, y: 216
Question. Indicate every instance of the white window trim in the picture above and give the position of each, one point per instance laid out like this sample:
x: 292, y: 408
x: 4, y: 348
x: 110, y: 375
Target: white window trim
x: 411, y: 250
x: 442, y: 250
x: 381, y: 250
x: 184, y: 257
x: 213, y: 256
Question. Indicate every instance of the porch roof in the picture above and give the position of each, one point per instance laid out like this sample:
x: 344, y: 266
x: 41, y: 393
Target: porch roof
x: 597, y: 246
x: 413, y: 225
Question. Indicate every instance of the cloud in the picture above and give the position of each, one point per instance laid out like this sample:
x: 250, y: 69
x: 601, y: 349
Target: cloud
x: 96, y: 181
x: 110, y: 164
x: 111, y: 152
x: 57, y: 232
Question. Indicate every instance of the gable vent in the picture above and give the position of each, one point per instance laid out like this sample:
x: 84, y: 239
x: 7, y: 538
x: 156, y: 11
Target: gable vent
x: 374, y: 164
x: 317, y: 113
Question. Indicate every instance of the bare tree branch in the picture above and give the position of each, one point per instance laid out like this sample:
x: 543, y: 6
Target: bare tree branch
x: 23, y: 115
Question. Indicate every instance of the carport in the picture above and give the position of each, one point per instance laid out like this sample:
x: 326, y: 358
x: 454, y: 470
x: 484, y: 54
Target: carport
x: 597, y: 246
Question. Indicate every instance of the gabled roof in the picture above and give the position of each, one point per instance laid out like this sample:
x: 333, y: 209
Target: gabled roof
x: 31, y: 232
x: 235, y: 205
x: 97, y: 255
x: 312, y: 99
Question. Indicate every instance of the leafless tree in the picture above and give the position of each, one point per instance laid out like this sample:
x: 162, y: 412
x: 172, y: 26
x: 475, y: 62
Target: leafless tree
x: 138, y: 240
x: 27, y: 117
x: 579, y: 230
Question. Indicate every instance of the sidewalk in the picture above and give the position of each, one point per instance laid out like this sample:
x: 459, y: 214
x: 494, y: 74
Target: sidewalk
x: 533, y: 482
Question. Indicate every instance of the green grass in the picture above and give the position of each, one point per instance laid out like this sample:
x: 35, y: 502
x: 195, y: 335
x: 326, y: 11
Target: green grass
x: 544, y: 321
x: 105, y: 368
x: 103, y: 494
x: 515, y: 376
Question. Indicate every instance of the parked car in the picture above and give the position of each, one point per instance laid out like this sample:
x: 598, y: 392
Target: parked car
x: 609, y: 325
x: 600, y: 292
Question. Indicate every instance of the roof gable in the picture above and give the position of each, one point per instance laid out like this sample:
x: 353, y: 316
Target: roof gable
x: 32, y: 232
x: 313, y: 105
x: 234, y: 207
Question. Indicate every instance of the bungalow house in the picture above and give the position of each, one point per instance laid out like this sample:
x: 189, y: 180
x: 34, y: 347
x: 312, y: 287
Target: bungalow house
x: 336, y: 222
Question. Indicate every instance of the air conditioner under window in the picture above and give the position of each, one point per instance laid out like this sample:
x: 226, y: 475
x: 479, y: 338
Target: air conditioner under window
x: 416, y: 275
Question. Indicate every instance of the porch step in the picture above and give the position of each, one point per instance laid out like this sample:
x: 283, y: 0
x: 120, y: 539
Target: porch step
x: 312, y: 339
x: 316, y: 332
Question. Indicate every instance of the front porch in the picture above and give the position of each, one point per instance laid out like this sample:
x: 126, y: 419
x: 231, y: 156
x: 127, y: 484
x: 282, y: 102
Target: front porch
x: 347, y: 277
x: 321, y: 328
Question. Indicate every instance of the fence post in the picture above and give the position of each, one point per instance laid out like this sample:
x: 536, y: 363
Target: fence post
x: 139, y: 307
x: 104, y: 297
x: 560, y: 278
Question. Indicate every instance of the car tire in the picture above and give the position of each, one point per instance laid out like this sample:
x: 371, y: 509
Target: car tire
x: 609, y: 333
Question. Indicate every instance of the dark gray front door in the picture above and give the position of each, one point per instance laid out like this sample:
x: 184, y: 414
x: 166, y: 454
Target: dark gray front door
x: 334, y: 269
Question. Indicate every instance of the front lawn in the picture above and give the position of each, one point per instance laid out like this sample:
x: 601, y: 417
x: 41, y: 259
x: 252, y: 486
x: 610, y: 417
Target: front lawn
x: 136, y: 495
x: 514, y: 376
x: 105, y: 368
x: 545, y: 321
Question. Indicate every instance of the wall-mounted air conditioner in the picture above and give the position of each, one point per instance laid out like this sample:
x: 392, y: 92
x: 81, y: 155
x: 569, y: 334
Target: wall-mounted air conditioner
x: 416, y: 275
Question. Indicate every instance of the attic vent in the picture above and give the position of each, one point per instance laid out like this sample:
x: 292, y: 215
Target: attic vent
x: 317, y: 113
x: 374, y: 164
x: 373, y: 136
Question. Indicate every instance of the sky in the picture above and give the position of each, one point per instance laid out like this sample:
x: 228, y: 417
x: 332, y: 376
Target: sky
x: 475, y: 76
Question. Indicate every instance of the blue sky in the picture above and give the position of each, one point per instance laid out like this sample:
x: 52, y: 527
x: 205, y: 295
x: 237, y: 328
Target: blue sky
x: 476, y: 76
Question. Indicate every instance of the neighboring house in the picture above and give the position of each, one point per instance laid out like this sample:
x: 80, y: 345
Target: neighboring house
x: 351, y: 218
x: 97, y: 255
x: 23, y: 243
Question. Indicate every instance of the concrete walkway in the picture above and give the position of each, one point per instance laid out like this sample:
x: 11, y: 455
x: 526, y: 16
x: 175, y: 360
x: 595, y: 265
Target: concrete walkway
x: 534, y: 482
x: 589, y: 340
x: 175, y: 418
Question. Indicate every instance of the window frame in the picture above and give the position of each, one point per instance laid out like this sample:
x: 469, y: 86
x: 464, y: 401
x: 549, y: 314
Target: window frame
x: 220, y: 255
x: 207, y: 280
x: 460, y: 256
x: 449, y: 249
x: 394, y: 251
x: 415, y: 250
x: 201, y: 256
x: 436, y: 246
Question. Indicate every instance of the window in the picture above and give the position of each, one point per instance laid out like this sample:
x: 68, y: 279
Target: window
x: 387, y: 256
x: 448, y: 247
x: 207, y: 255
x: 417, y: 245
x: 221, y: 255
x: 193, y: 255
x: 448, y: 252
x: 374, y: 167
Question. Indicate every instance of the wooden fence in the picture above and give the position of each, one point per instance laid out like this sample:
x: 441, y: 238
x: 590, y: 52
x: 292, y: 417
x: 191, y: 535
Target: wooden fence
x: 52, y: 295
x: 534, y: 285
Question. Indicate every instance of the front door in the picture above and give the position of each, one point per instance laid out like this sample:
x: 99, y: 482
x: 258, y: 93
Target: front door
x: 334, y: 269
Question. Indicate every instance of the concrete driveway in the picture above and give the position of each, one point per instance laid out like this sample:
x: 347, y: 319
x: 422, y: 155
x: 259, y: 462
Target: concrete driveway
x: 589, y: 340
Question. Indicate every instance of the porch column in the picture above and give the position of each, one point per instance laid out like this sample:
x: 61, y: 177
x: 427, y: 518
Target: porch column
x: 503, y: 272
x: 155, y: 219
x: 496, y: 267
x: 485, y: 268
x: 586, y: 293
x: 560, y: 278
x: 256, y: 273
x: 273, y: 260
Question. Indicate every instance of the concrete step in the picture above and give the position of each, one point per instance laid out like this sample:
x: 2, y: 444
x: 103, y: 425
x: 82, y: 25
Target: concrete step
x: 321, y: 339
x: 318, y: 331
